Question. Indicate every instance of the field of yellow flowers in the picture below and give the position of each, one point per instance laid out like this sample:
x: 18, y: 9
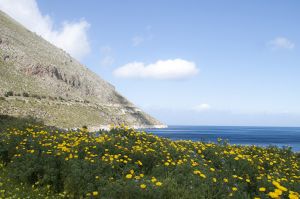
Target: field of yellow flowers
x: 37, y: 162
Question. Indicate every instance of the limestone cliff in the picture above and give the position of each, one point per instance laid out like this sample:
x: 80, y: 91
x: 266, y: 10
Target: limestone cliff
x: 41, y: 80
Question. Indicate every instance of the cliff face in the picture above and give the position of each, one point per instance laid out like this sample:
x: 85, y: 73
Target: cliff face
x: 49, y: 84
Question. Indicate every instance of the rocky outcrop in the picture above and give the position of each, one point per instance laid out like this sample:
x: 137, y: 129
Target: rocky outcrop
x: 48, y: 83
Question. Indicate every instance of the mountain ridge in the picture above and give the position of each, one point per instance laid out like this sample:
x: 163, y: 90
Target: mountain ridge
x: 40, y: 79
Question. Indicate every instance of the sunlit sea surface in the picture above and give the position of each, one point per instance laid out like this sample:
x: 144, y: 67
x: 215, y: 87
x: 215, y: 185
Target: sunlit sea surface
x: 262, y: 136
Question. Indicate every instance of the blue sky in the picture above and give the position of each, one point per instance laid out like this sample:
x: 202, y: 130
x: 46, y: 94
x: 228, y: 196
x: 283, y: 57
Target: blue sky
x: 186, y: 62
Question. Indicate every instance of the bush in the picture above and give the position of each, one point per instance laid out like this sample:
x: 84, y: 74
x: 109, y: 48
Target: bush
x: 36, y: 96
x: 2, y: 98
x: 84, y: 127
x: 9, y: 93
x: 21, y: 123
x: 25, y: 94
x: 124, y: 163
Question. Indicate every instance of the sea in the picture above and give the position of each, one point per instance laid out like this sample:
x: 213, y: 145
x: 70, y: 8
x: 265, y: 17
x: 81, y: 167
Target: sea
x: 242, y: 135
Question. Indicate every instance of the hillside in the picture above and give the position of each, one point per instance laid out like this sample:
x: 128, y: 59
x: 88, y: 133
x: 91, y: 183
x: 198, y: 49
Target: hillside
x: 41, y: 80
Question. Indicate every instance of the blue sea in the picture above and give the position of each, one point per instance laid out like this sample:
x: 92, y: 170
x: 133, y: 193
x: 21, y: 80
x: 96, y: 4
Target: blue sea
x: 262, y: 136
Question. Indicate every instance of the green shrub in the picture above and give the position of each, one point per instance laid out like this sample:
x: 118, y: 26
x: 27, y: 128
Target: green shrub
x: 36, y: 96
x: 9, y: 93
x: 25, y: 94
x: 116, y: 163
x: 85, y: 127
x: 21, y: 123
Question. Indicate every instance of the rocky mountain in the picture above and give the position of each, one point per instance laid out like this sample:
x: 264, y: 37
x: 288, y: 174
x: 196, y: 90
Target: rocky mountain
x: 41, y: 80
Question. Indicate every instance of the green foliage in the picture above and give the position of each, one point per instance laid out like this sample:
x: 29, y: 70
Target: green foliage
x: 25, y: 94
x: 85, y: 127
x: 36, y: 96
x: 123, y: 163
x: 17, y: 122
x: 10, y: 188
x: 9, y: 93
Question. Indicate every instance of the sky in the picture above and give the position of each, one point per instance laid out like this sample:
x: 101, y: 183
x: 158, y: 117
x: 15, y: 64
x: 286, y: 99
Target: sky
x: 184, y: 62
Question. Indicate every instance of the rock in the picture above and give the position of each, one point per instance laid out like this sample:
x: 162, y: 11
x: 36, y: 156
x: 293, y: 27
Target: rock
x: 78, y: 96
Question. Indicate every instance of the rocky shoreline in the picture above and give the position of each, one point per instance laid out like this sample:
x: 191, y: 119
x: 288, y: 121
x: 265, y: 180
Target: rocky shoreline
x: 108, y: 127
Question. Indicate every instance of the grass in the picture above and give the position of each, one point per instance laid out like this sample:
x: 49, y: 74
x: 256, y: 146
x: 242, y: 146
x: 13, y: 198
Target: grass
x: 7, y: 121
x: 37, y: 162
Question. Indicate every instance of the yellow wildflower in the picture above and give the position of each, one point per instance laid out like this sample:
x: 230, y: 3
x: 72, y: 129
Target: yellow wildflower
x: 197, y: 172
x: 262, y: 189
x: 292, y: 195
x: 202, y: 175
x: 278, y: 192
x: 143, y: 186
x: 129, y: 176
x: 158, y: 184
x: 95, y: 193
x: 273, y: 195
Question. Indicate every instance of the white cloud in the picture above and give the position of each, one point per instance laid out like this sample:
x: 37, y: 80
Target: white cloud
x: 72, y: 36
x: 281, y: 43
x: 175, y: 69
x: 137, y: 40
x: 202, y: 107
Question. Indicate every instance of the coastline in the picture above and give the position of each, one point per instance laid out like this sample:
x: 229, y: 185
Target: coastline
x: 108, y: 127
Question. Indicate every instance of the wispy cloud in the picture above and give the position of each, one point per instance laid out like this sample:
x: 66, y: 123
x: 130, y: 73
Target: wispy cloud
x: 71, y: 36
x: 202, y: 107
x: 107, y: 58
x: 281, y: 43
x: 141, y: 38
x: 172, y: 69
x: 137, y: 40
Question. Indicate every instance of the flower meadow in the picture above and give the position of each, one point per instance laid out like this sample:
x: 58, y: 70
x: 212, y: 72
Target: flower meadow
x: 38, y: 162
